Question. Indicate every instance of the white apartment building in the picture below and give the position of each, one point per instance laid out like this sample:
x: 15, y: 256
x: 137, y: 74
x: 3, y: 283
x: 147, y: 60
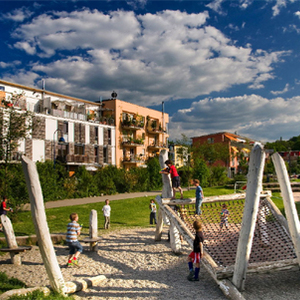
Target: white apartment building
x: 68, y: 129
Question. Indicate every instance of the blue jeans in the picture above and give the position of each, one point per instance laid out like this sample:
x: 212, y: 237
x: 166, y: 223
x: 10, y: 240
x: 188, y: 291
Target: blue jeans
x: 198, y: 205
x: 74, y: 247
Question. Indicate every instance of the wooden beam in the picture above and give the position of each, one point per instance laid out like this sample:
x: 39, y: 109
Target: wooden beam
x: 254, y: 187
x: 41, y: 227
x: 11, y: 240
x: 288, y: 201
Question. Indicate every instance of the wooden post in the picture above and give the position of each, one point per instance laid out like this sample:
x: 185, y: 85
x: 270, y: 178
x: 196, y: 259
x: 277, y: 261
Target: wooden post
x: 167, y: 186
x: 166, y: 193
x: 159, y: 225
x: 175, y: 241
x: 254, y: 187
x: 41, y: 227
x: 11, y: 240
x: 288, y: 201
x: 93, y: 229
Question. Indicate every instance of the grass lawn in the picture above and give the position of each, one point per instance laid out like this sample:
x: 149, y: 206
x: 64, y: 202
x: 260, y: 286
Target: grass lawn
x: 125, y: 213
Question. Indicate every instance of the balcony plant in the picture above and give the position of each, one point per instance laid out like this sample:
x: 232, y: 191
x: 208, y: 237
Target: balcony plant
x: 153, y: 125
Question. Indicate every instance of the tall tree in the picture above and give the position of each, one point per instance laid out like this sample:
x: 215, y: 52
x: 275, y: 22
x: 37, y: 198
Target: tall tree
x: 15, y: 124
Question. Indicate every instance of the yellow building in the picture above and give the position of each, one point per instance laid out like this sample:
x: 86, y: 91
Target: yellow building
x: 140, y: 132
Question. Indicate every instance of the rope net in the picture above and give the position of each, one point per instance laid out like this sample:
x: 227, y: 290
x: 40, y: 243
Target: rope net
x: 271, y: 241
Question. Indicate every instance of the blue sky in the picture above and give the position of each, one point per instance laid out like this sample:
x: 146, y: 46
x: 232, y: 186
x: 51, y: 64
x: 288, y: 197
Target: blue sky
x: 217, y: 65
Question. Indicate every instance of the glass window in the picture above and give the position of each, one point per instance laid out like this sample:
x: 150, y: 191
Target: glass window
x: 79, y: 149
x: 105, y: 152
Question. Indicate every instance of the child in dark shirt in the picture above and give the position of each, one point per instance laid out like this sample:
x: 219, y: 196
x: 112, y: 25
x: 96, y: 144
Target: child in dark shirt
x: 197, y: 253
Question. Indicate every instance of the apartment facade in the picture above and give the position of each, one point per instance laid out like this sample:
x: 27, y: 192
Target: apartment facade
x: 179, y: 155
x: 67, y: 128
x: 140, y: 132
x: 236, y: 144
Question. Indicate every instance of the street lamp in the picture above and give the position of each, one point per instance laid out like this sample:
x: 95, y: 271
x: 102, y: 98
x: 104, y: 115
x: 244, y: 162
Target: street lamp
x: 60, y: 140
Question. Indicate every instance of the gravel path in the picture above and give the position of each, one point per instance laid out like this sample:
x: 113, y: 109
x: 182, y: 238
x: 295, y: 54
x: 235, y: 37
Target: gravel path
x: 137, y: 267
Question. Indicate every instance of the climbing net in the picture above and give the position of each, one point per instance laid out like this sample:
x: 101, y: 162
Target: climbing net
x: 271, y: 242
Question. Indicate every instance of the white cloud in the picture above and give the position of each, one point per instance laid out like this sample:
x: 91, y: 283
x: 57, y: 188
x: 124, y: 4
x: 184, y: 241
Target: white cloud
x: 280, y: 4
x: 146, y: 58
x: 5, y: 65
x: 249, y: 115
x: 18, y: 14
x: 297, y: 13
x: 216, y: 6
x: 286, y: 89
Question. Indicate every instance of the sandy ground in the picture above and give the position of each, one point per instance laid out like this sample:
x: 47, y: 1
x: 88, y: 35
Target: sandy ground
x: 137, y: 267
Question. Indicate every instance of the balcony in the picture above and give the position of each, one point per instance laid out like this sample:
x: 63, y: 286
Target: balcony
x: 134, y: 160
x: 128, y: 141
x: 157, y: 146
x: 68, y: 114
x: 132, y: 126
x: 77, y: 158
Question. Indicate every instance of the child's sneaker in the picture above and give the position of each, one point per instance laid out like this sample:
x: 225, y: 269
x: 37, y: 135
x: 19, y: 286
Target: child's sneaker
x: 75, y: 263
x: 191, y: 275
x: 194, y: 279
x: 69, y: 264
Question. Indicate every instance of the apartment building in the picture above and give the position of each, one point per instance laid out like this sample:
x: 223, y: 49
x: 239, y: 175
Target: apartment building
x: 140, y: 132
x: 179, y: 155
x: 236, y: 144
x: 69, y: 129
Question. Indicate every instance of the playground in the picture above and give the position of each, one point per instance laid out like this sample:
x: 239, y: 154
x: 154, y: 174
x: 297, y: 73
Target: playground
x: 136, y: 267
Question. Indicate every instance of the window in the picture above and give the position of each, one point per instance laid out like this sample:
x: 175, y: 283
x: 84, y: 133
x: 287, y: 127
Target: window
x: 109, y: 136
x: 65, y: 127
x: 210, y: 140
x: 105, y: 152
x: 96, y: 152
x: 2, y: 88
x: 79, y: 149
x: 96, y: 135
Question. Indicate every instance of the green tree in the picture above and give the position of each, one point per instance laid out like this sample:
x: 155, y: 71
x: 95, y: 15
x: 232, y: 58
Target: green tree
x: 15, y: 125
x: 153, y: 167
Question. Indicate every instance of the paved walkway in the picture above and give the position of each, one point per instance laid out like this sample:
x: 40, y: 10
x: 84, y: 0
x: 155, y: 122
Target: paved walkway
x: 79, y: 201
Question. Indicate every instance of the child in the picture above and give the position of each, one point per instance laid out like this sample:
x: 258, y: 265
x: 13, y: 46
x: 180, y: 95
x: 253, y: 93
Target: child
x: 74, y: 246
x: 199, y: 196
x: 197, y: 253
x: 152, y: 206
x: 224, y: 216
x: 174, y: 176
x: 4, y: 209
x: 106, y: 213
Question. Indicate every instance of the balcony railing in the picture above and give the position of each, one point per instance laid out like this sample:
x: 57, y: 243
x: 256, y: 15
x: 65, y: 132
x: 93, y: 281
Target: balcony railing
x: 68, y: 114
x: 77, y: 158
x: 157, y: 146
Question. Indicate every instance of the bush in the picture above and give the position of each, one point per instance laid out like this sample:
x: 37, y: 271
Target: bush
x: 217, y: 176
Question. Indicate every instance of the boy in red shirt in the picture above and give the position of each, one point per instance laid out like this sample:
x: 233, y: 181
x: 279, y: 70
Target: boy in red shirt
x: 174, y: 176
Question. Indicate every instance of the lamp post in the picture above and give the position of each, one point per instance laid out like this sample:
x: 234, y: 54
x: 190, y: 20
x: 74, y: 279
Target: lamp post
x: 60, y: 140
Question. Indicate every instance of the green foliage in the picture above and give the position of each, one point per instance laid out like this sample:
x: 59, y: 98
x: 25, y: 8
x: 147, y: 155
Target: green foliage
x: 217, y: 176
x: 7, y: 284
x: 86, y: 186
x: 211, y: 153
x: 153, y: 167
x: 39, y: 295
x: 201, y: 171
x: 52, y: 180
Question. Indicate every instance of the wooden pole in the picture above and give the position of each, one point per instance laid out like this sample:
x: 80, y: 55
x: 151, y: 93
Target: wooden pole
x: 288, y: 201
x: 11, y: 240
x: 166, y: 193
x: 93, y: 229
x: 167, y: 186
x: 254, y: 187
x: 41, y: 227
